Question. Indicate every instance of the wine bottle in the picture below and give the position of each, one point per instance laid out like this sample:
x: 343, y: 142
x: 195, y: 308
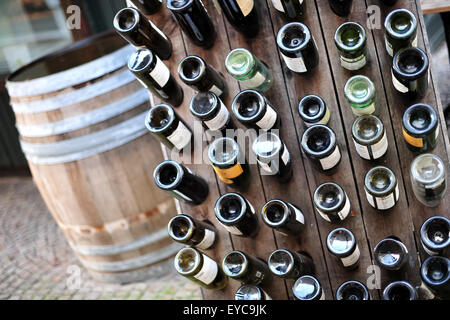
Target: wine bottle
x: 435, y: 273
x: 420, y: 128
x: 283, y: 217
x: 351, y: 42
x: 342, y: 244
x: 297, y: 47
x: 288, y: 264
x: 237, y: 215
x: 153, y: 74
x: 391, y: 254
x: 435, y: 236
x: 320, y: 145
x: 331, y: 202
x: 195, y: 72
x: 245, y: 268
x: 164, y: 124
x: 429, y: 179
x: 200, y: 269
x: 192, y: 232
x: 389, y: 2
x: 194, y: 20
x: 401, y: 31
x: 381, y: 187
x: 180, y: 182
x: 273, y: 156
x: 313, y: 110
x: 341, y: 7
x: 147, y: 7
x: 242, y: 15
x: 251, y: 72
x: 352, y: 290
x: 369, y: 137
x: 208, y: 108
x: 291, y: 9
x: 251, y: 292
x: 308, y: 288
x: 360, y: 94
x: 400, y: 291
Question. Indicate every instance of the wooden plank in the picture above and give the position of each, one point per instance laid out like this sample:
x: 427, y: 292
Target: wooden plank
x: 435, y: 6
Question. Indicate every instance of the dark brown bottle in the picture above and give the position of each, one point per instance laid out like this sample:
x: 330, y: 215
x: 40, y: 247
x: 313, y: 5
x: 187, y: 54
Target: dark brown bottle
x: 341, y: 7
x: 288, y: 264
x: 245, y: 268
x: 400, y: 291
x: 435, y: 273
x: 147, y: 7
x: 242, y: 14
x: 283, y: 217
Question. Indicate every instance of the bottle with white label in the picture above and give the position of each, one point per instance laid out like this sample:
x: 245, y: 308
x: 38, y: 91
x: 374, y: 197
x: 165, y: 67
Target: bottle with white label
x: 342, y: 244
x: 283, y: 217
x: 195, y: 72
x: 410, y: 73
x: 288, y: 264
x: 192, y: 232
x: 308, y: 288
x: 237, y: 215
x: 381, y: 187
x: 391, y: 254
x: 200, y: 268
x: 360, y: 94
x: 331, y: 202
x: 292, y: 10
x: 180, y: 182
x: 242, y: 15
x: 251, y: 292
x: 147, y: 7
x: 369, y: 137
x: 435, y: 273
x: 212, y: 112
x: 401, y: 30
x: 313, y: 110
x: 420, y: 128
x: 297, y: 47
x: 273, y: 156
x: 153, y: 74
x: 169, y: 128
x: 353, y: 291
x: 435, y: 236
x: 400, y: 291
x: 245, y: 268
x: 351, y: 42
x: 320, y: 146
x: 251, y: 72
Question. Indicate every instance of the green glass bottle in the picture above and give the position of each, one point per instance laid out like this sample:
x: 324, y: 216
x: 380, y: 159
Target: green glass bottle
x: 369, y: 137
x: 380, y: 184
x: 401, y: 31
x: 245, y: 268
x: 351, y: 41
x: 360, y: 93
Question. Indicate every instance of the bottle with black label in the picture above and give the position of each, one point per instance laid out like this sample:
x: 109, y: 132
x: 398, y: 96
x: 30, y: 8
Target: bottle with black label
x: 147, y: 7
x: 352, y: 290
x: 192, y: 232
x: 180, y: 182
x: 342, y: 244
x: 273, y: 156
x: 200, y: 268
x: 351, y: 41
x: 320, y: 145
x: 237, y: 215
x: 297, y: 47
x: 253, y: 110
x: 360, y: 94
x: 420, y: 128
x: 410, y: 72
x: 400, y: 291
x: 195, y: 72
x: 194, y: 20
x: 313, y: 110
x: 381, y: 187
x: 288, y: 264
x: 245, y: 268
x: 135, y: 28
x: 211, y: 111
x: 241, y: 14
x: 308, y: 288
x: 401, y: 31
x: 283, y: 217
x: 369, y: 137
x: 153, y: 74
x: 331, y: 202
x: 391, y: 253
x: 341, y: 7
x: 435, y: 273
x: 291, y: 9
x: 429, y: 179
x: 251, y: 292
x: 435, y: 236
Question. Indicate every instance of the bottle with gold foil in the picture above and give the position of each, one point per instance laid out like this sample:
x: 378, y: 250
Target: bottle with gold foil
x: 381, y: 186
x: 147, y: 7
x: 401, y: 30
x: 192, y: 232
x: 251, y: 292
x: 420, y: 128
x: 369, y: 137
x: 313, y: 110
x: 291, y: 9
x: 245, y: 268
x: 283, y: 217
x: 351, y: 41
x: 360, y: 94
x: 242, y: 15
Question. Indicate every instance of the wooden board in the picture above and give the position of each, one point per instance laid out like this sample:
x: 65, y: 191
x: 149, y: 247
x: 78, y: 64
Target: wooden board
x: 435, y: 6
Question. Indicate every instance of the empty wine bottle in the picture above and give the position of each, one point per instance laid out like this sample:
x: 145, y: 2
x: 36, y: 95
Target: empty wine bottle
x: 435, y: 273
x: 401, y: 31
x: 153, y: 74
x: 381, y: 187
x: 360, y: 94
x: 429, y: 179
x: 351, y: 41
x: 369, y: 137
x: 147, y: 7
x: 237, y: 215
x: 320, y: 145
x: 331, y: 202
x: 251, y: 292
x: 313, y: 110
x: 242, y: 65
x: 420, y: 128
x: 288, y: 264
x: 410, y: 72
x: 208, y: 108
x: 342, y: 244
x: 298, y: 48
x: 291, y: 9
x: 195, y: 72
x: 352, y: 290
x: 193, y: 19
x: 389, y: 2
x: 192, y: 232
x: 400, y: 291
x: 242, y: 14
x: 435, y: 236
x: 200, y: 268
x: 308, y: 288
x: 283, y: 217
x: 253, y: 110
x: 245, y: 268
x: 341, y: 7
x: 134, y: 27
x: 273, y: 156
x: 180, y: 182
x: 391, y: 254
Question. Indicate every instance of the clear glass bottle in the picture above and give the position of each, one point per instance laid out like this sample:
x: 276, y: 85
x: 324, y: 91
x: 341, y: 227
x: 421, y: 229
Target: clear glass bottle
x: 351, y: 42
x: 211, y: 111
x: 251, y: 292
x: 352, y: 290
x: 401, y: 30
x: 360, y: 94
x: 420, y: 128
x: 381, y: 187
x: 313, y: 110
x: 391, y: 254
x: 283, y: 217
x: 288, y: 264
x: 242, y: 65
x: 341, y: 7
x: 342, y: 244
x: 192, y: 232
x: 435, y: 273
x: 331, y: 202
x: 147, y: 7
x: 291, y: 9
x: 242, y: 15
x: 308, y: 288
x: 435, y: 236
x: 369, y: 137
x: 429, y: 179
x: 245, y: 268
x: 400, y: 291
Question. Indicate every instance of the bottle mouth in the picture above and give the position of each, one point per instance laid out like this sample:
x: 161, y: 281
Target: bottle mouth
x: 126, y: 19
x: 248, y: 292
x: 311, y: 108
x: 389, y: 252
x: 180, y: 227
x: 380, y: 181
x: 230, y: 208
x: 329, y: 197
x: 187, y: 260
x: 410, y: 63
x: 400, y: 24
x: 350, y: 36
x: 367, y: 129
x: 306, y: 288
x: 159, y: 118
x: 436, y: 270
x: 177, y: 5
x: 359, y: 89
x: 436, y: 232
x: 293, y: 36
x: 267, y: 146
x: 240, y: 62
x: 399, y: 290
x: 419, y: 119
x: 352, y: 290
x: 168, y: 174
x: 191, y: 68
x: 428, y: 169
x: 318, y: 140
x: 224, y: 151
x: 281, y: 262
x: 275, y: 212
x: 203, y: 104
x: 340, y: 241
x: 248, y: 105
x: 235, y: 264
x: 140, y: 60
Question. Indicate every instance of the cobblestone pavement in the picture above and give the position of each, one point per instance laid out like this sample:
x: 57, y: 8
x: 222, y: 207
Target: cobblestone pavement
x: 34, y: 256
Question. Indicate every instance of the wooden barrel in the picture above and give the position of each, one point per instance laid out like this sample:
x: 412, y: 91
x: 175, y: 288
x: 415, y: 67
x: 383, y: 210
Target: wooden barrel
x: 80, y: 114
